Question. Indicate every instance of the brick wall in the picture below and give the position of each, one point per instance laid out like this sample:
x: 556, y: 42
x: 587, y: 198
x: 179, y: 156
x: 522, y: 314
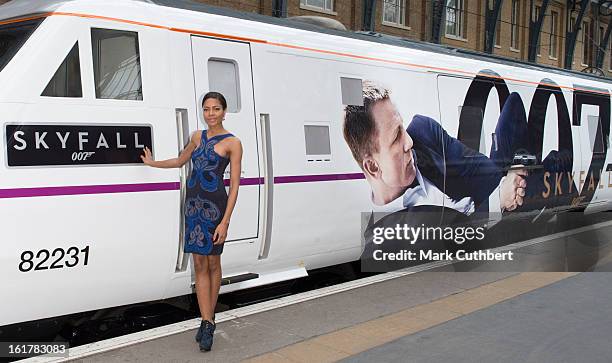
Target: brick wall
x: 412, y: 27
x: 251, y: 6
x: 504, y: 27
x: 348, y: 12
x: 473, y: 25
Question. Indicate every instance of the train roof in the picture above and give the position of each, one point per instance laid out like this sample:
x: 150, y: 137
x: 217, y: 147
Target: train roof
x: 17, y: 8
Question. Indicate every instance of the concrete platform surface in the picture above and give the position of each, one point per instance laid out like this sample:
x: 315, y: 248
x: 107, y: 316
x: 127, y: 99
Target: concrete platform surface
x: 254, y: 335
x: 568, y: 321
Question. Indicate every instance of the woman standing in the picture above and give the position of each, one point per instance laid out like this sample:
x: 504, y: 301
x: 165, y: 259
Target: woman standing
x: 207, y: 207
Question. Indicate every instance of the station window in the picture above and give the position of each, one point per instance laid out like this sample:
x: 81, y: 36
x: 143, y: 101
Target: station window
x: 454, y: 18
x: 570, y: 27
x: 552, y: 50
x: 498, y: 31
x: 514, y: 25
x: 394, y: 12
x: 610, y: 48
x: 587, y: 44
x: 317, y: 142
x: 66, y: 81
x: 537, y: 16
x: 223, y: 78
x: 116, y: 60
x: 352, y: 91
x: 320, y: 4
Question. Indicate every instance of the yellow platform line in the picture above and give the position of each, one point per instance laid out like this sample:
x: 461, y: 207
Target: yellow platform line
x: 349, y: 341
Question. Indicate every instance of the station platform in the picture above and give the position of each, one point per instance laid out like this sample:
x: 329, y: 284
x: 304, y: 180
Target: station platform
x: 569, y: 320
x: 435, y: 313
x: 426, y: 316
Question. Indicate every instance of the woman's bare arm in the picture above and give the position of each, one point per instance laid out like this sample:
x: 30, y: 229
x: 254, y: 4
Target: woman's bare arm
x: 183, y: 158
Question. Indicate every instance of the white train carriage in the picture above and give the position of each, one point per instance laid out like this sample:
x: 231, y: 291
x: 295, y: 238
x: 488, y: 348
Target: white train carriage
x: 86, y: 84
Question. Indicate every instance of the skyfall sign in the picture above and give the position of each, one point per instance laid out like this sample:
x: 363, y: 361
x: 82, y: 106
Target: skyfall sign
x: 59, y: 144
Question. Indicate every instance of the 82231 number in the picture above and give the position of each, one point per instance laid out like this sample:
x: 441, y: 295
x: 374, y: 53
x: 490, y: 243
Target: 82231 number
x: 59, y: 258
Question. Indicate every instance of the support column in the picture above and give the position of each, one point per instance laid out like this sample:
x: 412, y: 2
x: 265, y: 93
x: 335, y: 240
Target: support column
x: 369, y: 15
x: 491, y: 15
x: 570, y: 37
x: 535, y: 29
x: 279, y: 8
x: 605, y: 11
x: 437, y: 15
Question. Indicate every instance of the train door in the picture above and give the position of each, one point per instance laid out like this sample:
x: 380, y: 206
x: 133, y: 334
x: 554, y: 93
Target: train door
x: 225, y: 66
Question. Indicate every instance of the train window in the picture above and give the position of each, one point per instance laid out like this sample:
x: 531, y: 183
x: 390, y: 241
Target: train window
x: 595, y: 138
x: 13, y: 36
x: 352, y: 91
x: 317, y: 142
x: 66, y: 81
x: 116, y: 60
x: 223, y: 78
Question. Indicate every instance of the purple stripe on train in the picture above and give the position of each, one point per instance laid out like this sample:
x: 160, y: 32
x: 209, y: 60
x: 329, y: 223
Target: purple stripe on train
x: 151, y: 187
x: 86, y: 189
x: 246, y: 181
x: 300, y: 178
x: 316, y: 178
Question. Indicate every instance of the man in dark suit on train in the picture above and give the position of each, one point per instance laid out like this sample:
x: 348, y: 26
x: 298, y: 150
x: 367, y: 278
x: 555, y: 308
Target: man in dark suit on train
x: 406, y: 167
x: 430, y: 178
x: 421, y: 173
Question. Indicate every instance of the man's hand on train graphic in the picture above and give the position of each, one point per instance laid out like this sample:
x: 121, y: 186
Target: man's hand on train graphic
x: 512, y: 189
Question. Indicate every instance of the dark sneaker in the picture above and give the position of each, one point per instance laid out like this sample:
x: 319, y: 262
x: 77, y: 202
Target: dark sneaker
x: 198, y: 336
x: 207, y: 336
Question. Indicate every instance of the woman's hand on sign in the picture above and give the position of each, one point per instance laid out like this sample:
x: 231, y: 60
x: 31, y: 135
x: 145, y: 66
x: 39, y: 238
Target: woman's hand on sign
x: 147, y: 158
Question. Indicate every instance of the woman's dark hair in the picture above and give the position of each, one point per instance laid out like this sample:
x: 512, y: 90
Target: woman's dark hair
x: 217, y: 96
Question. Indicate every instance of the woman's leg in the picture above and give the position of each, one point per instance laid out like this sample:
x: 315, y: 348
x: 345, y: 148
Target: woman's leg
x: 202, y: 285
x: 214, y: 268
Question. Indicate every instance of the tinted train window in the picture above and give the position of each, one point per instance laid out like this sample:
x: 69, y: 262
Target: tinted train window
x: 12, y: 37
x: 223, y: 78
x: 595, y: 138
x: 66, y: 81
x: 318, y: 146
x: 116, y: 60
x: 352, y: 91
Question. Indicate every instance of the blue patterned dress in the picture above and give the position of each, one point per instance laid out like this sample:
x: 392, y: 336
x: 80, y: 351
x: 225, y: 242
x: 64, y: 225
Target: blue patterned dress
x: 206, y: 197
